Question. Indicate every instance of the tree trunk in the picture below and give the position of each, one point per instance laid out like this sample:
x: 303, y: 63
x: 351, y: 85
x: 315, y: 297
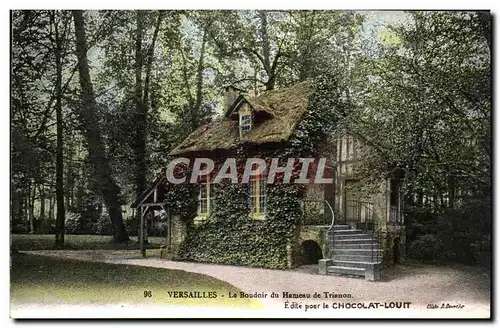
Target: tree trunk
x: 29, y: 209
x: 51, y: 208
x: 42, y: 203
x: 195, y: 104
x: 78, y: 204
x: 20, y: 214
x: 142, y: 99
x: 89, y: 118
x: 271, y: 82
x: 451, y: 192
x: 193, y: 119
x: 305, y: 36
x: 199, y: 73
x: 140, y: 112
x: 26, y: 210
x: 32, y: 209
x: 68, y: 184
x: 61, y: 210
x: 14, y: 209
x: 266, y: 51
x: 149, y: 63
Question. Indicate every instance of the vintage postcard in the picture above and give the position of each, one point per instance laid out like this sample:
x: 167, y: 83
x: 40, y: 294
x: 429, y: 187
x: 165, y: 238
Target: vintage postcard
x: 250, y: 164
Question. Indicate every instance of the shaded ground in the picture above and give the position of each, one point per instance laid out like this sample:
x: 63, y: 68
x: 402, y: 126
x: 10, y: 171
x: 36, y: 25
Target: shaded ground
x: 29, y: 242
x: 43, y: 279
x: 418, y: 284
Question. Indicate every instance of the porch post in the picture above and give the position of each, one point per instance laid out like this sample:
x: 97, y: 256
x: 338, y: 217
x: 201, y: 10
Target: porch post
x: 141, y: 235
x: 146, y: 225
x: 167, y: 213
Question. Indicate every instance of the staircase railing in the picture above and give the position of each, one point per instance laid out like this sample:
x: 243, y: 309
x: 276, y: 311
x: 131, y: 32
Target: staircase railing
x: 313, y: 215
x: 320, y: 218
x: 333, y: 215
x: 368, y: 221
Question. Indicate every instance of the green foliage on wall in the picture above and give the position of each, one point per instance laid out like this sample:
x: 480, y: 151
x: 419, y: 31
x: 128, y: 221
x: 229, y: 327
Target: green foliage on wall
x: 182, y: 199
x: 231, y: 236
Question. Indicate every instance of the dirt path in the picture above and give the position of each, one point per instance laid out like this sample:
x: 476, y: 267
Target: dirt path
x: 420, y: 285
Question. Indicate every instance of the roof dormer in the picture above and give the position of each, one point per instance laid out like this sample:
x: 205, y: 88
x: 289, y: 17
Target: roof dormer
x: 245, y: 119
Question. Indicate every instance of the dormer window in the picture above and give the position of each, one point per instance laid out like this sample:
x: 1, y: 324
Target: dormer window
x: 246, y: 123
x: 245, y: 120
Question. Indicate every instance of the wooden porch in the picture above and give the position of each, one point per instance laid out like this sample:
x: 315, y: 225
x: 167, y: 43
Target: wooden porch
x: 151, y: 200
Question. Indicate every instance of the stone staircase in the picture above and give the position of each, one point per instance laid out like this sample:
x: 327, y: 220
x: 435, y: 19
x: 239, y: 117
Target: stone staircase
x: 352, y: 253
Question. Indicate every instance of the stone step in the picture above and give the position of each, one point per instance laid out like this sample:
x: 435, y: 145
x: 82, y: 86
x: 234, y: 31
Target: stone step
x: 341, y: 227
x: 363, y: 245
x: 355, y: 257
x: 347, y: 231
x: 351, y: 236
x: 353, y: 241
x: 354, y: 251
x: 356, y: 271
x: 356, y: 245
x: 353, y: 264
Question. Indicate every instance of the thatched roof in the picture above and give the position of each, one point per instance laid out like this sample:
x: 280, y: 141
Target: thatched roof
x: 258, y: 104
x: 280, y: 112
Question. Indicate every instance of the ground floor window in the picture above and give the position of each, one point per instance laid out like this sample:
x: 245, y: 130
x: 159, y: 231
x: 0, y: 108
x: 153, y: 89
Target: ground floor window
x: 258, y: 195
x: 205, y: 197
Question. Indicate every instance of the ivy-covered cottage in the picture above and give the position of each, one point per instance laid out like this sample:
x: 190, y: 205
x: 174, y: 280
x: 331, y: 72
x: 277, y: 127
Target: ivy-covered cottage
x: 348, y: 226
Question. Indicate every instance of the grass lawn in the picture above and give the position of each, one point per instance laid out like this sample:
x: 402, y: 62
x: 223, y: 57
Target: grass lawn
x: 43, y: 279
x: 28, y: 242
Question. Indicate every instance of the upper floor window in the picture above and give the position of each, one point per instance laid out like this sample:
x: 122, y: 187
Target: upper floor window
x: 347, y: 148
x: 245, y: 120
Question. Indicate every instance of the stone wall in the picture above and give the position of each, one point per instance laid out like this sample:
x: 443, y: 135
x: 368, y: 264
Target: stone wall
x: 308, y: 233
x: 394, y: 237
x: 178, y: 232
x: 314, y: 205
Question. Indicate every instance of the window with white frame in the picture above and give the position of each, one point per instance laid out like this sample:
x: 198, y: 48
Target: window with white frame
x: 205, y: 197
x: 245, y: 120
x: 258, y: 199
